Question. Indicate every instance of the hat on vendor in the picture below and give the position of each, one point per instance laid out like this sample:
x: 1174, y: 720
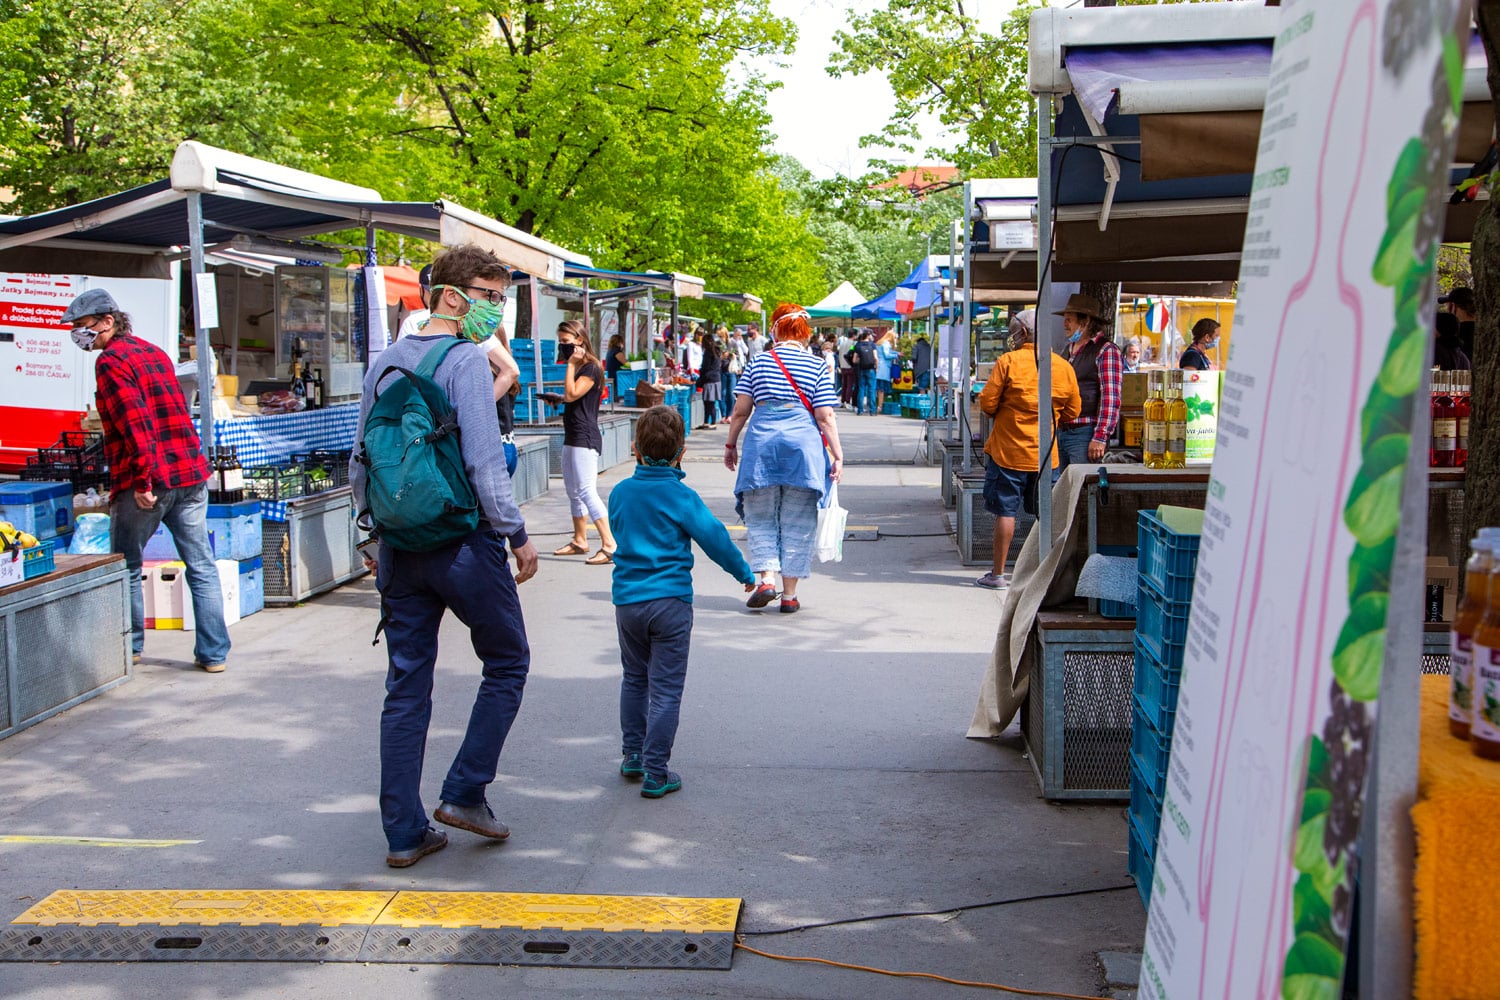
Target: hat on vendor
x: 1084, y: 305
x: 94, y: 302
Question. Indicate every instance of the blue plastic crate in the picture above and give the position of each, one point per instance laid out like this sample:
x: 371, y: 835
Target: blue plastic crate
x: 1168, y: 560
x: 1156, y: 687
x: 1141, y: 861
x: 38, y: 559
x: 252, y: 586
x: 234, y: 530
x: 1161, y: 624
x: 43, y: 509
x: 1145, y: 802
x: 1116, y: 609
x: 891, y: 409
x: 1150, y: 748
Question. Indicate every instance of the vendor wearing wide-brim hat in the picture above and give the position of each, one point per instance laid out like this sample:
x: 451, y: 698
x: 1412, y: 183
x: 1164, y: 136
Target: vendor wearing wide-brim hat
x: 1100, y: 368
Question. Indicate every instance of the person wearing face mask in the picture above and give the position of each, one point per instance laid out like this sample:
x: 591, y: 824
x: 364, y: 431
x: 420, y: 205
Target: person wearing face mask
x: 583, y: 388
x: 1100, y: 371
x: 1205, y: 338
x: 158, y: 474
x: 470, y: 576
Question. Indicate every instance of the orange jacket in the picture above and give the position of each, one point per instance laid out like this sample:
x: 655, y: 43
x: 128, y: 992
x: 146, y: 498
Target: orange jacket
x: 1010, y: 396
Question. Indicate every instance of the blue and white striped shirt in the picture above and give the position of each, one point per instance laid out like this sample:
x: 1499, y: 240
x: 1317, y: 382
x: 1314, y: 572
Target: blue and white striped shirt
x: 763, y: 379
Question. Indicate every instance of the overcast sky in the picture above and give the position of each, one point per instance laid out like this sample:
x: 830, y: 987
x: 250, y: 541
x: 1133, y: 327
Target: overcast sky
x: 819, y: 119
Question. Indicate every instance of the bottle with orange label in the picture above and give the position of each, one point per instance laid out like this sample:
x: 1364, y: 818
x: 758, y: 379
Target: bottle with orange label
x: 1484, y: 729
x: 1461, y: 638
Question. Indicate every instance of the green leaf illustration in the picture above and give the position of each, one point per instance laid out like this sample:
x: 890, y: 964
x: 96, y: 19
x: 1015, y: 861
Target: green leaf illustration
x: 1453, y: 66
x: 1317, y: 768
x: 1311, y: 910
x: 1370, y: 568
x: 1408, y: 165
x: 1396, y: 255
x: 1314, y: 969
x: 1359, y: 654
x: 1307, y: 853
x: 1315, y: 801
x: 1374, y: 507
x: 1402, y: 371
x: 1384, y: 414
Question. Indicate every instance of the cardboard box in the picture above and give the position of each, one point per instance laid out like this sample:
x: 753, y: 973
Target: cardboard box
x: 229, y: 592
x: 169, y: 595
x: 1442, y: 590
x: 1133, y: 391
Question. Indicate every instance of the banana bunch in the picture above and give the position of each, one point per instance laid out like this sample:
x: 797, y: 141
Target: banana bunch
x: 12, y: 537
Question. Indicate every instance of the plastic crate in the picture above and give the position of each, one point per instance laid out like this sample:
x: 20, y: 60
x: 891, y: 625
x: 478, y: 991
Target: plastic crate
x: 1156, y: 687
x: 1116, y: 609
x: 1150, y: 749
x: 1141, y: 861
x: 1168, y: 560
x: 1161, y: 624
x: 252, y: 586
x: 891, y: 409
x: 323, y: 470
x: 38, y: 559
x: 1145, y: 802
x: 43, y: 509
x: 275, y: 482
x: 234, y: 530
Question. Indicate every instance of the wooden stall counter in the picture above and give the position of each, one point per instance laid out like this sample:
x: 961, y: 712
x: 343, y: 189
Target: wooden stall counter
x: 64, y: 638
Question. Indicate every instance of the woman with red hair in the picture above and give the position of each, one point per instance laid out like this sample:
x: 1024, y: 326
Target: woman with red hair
x: 784, y: 403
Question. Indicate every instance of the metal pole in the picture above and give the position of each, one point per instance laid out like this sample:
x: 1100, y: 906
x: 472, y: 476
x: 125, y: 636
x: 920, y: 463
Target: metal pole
x: 534, y: 290
x: 962, y: 402
x: 1044, y: 319
x: 206, y: 385
x: 651, y: 336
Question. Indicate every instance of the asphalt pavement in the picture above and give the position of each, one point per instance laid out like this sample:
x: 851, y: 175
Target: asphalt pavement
x: 826, y: 777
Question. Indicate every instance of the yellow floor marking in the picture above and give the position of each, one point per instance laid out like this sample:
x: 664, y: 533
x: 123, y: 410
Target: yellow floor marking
x: 560, y: 912
x: 298, y: 907
x: 92, y: 841
x: 243, y: 907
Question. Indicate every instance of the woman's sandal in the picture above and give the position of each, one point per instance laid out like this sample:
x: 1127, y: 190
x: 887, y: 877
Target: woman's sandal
x: 600, y: 558
x: 762, y: 595
x: 572, y: 549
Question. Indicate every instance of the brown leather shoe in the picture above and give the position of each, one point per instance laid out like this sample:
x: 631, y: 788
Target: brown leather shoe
x: 478, y: 819
x: 432, y: 842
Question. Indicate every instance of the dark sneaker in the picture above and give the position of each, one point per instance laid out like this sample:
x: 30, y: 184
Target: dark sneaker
x: 478, y: 819
x: 790, y: 605
x: 632, y: 766
x: 432, y: 842
x: 209, y: 668
x: 655, y: 785
x: 762, y: 595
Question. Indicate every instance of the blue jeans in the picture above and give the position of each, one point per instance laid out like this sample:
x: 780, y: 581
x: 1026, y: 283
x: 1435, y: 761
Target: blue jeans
x: 185, y: 513
x: 1073, y: 445
x: 654, y: 637
x: 473, y: 580
x: 780, y: 522
x: 924, y: 381
x: 866, y: 400
x: 727, y: 383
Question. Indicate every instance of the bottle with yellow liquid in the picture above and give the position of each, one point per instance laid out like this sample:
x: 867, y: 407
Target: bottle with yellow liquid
x: 1461, y: 638
x: 1176, y: 454
x: 1154, y: 434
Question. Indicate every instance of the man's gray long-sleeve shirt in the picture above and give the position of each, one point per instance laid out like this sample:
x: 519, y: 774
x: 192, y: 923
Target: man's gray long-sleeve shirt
x: 464, y: 376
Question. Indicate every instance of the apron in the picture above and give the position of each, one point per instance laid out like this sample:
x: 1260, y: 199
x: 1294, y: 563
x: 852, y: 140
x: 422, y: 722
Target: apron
x: 782, y: 446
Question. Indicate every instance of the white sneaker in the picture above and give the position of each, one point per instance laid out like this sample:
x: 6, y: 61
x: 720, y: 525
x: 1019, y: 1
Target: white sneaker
x: 993, y: 581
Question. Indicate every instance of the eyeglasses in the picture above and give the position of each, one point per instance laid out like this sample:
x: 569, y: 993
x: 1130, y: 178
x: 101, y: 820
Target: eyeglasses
x: 495, y: 297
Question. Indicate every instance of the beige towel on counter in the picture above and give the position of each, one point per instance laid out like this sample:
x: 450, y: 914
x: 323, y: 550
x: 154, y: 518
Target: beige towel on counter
x: 1035, y: 583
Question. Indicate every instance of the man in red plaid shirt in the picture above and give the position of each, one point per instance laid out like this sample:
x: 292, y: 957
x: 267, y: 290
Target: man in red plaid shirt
x: 158, y: 472
x: 1100, y: 368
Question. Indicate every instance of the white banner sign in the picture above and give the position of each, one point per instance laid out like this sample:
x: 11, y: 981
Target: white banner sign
x: 1255, y: 863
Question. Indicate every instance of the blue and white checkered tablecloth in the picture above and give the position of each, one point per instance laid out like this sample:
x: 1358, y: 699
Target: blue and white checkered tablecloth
x: 271, y: 440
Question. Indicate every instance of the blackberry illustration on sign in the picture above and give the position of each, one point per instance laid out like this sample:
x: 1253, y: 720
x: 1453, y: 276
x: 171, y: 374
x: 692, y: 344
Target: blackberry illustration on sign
x: 1255, y: 862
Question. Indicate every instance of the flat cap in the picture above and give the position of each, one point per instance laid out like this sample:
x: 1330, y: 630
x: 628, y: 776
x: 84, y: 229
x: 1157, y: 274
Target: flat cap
x: 94, y: 302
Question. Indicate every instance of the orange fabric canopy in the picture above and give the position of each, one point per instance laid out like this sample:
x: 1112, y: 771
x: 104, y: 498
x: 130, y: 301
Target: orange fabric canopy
x: 400, y: 285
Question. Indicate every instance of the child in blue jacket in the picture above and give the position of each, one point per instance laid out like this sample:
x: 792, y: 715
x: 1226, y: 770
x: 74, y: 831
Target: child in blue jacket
x: 656, y: 518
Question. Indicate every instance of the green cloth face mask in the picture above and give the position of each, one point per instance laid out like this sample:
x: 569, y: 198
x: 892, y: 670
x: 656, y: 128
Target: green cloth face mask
x: 481, y: 320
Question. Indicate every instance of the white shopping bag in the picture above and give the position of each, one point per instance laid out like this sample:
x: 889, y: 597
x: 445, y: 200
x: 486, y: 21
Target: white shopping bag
x: 832, y: 520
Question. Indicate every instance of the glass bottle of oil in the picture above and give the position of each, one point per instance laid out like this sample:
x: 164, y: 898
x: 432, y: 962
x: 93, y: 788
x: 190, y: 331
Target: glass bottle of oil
x: 1154, y: 431
x: 1484, y: 731
x: 1461, y: 638
x: 1176, y: 454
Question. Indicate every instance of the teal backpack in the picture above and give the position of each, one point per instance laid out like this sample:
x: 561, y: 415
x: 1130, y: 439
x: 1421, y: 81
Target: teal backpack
x: 417, y: 491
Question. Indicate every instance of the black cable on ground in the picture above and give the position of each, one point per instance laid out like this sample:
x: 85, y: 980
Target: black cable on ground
x: 1039, y: 897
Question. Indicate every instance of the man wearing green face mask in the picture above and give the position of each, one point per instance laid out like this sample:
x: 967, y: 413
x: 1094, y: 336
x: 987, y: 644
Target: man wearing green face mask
x: 470, y: 576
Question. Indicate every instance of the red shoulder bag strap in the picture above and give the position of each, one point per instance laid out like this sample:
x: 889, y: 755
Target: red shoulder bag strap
x: 800, y: 394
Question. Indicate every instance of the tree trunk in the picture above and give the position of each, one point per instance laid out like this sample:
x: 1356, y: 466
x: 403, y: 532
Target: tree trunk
x: 1482, y: 506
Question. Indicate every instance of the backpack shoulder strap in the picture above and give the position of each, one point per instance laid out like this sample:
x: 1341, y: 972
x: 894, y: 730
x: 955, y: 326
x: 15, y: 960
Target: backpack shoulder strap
x: 435, y: 355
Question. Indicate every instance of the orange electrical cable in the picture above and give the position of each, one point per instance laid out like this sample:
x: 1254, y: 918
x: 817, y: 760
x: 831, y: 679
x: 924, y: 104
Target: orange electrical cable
x: 913, y: 975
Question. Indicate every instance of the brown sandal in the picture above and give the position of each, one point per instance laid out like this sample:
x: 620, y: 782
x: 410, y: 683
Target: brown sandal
x: 600, y: 558
x: 572, y: 549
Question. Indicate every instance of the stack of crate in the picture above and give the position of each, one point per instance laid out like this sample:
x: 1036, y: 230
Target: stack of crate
x: 549, y: 377
x: 1168, y: 564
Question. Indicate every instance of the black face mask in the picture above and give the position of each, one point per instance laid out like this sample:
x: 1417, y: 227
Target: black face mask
x: 564, y: 352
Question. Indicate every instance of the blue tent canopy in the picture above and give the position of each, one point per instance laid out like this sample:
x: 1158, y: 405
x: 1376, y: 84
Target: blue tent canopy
x: 925, y: 280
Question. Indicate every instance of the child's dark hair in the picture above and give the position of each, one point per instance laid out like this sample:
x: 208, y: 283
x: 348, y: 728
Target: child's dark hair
x: 659, y: 433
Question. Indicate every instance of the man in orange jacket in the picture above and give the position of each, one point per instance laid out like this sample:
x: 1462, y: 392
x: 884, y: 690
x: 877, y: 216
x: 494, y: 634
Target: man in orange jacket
x: 1012, y: 453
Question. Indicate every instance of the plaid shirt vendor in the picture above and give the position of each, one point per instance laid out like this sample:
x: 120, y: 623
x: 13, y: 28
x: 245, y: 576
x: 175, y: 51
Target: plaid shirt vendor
x: 158, y: 473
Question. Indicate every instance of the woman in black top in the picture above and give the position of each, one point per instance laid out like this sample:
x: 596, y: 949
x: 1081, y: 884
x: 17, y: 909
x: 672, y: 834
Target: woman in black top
x: 583, y: 387
x: 1205, y: 337
x: 710, y: 380
x: 614, y: 360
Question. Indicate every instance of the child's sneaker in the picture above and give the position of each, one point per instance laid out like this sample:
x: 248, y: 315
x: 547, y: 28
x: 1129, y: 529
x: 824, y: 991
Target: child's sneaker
x: 655, y: 785
x: 632, y: 766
